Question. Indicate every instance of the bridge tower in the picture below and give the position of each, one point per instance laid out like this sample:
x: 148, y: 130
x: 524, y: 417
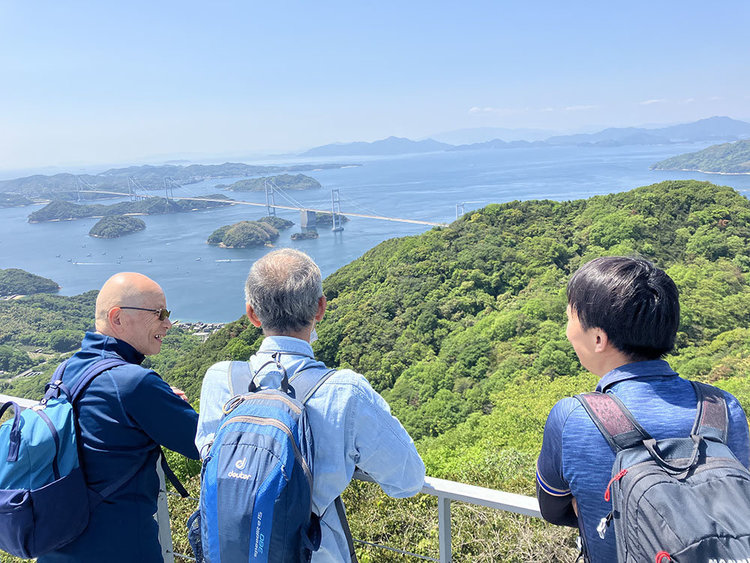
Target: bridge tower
x: 460, y: 209
x: 270, y: 198
x: 337, y: 223
x: 134, y: 187
x: 169, y: 185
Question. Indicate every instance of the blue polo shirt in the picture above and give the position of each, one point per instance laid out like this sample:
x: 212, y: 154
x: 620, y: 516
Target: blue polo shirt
x: 576, y: 460
x: 123, y: 415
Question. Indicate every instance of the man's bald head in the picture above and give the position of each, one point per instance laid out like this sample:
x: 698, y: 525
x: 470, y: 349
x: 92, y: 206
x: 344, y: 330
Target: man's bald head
x: 126, y: 289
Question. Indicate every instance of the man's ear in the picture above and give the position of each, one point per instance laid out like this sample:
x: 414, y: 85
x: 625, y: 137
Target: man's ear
x: 602, y: 340
x: 254, y: 320
x: 113, y: 317
x: 322, y: 304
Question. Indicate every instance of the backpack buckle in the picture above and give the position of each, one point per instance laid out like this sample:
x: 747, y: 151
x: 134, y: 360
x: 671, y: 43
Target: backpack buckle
x: 601, y: 529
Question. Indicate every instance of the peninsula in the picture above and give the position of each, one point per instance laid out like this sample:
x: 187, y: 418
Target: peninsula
x: 59, y: 210
x: 115, y: 226
x: 14, y: 281
x: 726, y: 158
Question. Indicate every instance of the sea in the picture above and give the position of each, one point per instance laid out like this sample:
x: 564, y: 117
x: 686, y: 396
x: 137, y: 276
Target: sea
x: 205, y: 283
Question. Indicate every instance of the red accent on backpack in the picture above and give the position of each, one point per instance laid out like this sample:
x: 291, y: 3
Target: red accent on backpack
x: 661, y: 555
x: 617, y: 477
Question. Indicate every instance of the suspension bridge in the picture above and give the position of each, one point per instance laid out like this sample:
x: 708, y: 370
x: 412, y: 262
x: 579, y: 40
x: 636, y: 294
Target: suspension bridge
x: 136, y: 191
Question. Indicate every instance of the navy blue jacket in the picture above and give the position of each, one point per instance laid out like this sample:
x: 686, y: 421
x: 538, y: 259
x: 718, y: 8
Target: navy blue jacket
x: 124, y: 414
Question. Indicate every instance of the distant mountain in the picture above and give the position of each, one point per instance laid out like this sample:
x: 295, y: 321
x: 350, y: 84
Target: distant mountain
x: 710, y: 129
x: 484, y: 134
x: 389, y: 146
x: 727, y: 158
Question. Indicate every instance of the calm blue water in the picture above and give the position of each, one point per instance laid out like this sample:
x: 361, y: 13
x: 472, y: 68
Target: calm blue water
x: 200, y: 281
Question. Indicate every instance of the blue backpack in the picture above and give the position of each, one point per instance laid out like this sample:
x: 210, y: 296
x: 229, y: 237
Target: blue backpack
x: 40, y: 470
x: 256, y: 482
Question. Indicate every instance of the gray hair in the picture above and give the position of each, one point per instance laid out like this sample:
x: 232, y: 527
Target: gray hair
x: 284, y: 288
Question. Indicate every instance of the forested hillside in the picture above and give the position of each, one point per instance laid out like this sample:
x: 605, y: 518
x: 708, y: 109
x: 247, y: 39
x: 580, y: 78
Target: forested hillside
x: 462, y: 329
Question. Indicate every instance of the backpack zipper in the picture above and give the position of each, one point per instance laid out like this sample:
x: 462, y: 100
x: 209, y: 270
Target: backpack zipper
x: 281, y: 426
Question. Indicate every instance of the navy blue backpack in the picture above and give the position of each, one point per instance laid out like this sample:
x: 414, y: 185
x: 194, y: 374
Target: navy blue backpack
x: 256, y: 481
x: 40, y: 472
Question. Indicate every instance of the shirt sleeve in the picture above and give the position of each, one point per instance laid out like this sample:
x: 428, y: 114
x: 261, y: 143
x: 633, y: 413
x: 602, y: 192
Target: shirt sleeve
x: 549, y: 466
x: 168, y: 420
x: 381, y: 447
x: 214, y: 395
x: 737, y: 436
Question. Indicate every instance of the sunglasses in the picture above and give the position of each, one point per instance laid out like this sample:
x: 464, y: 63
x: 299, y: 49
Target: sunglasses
x: 163, y: 313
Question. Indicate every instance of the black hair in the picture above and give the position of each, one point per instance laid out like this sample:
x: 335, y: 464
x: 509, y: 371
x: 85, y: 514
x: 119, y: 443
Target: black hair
x: 630, y: 299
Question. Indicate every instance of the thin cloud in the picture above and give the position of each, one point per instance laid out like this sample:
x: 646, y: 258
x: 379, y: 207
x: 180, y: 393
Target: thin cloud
x: 654, y: 101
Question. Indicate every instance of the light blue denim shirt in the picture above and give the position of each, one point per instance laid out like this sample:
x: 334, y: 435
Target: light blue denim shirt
x: 351, y: 424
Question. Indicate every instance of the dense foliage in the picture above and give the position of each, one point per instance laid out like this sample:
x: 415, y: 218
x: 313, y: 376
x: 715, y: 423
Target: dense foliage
x: 728, y: 158
x: 283, y: 181
x: 463, y: 331
x: 14, y: 200
x: 244, y: 234
x: 116, y: 226
x: 277, y: 223
x: 14, y: 281
x: 60, y: 210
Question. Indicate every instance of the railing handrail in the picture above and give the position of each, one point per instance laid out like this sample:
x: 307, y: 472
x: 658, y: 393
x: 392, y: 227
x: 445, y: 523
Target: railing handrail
x: 446, y: 491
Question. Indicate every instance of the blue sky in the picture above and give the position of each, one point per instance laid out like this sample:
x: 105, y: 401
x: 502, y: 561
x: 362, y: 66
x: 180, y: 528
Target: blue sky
x: 107, y: 82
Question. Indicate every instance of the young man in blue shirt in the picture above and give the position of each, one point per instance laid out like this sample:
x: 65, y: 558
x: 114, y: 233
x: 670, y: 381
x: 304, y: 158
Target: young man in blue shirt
x: 351, y: 424
x: 125, y: 415
x: 623, y: 315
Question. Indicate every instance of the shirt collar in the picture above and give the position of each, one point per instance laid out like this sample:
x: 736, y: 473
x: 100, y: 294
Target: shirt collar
x: 103, y: 344
x: 635, y: 370
x: 286, y: 345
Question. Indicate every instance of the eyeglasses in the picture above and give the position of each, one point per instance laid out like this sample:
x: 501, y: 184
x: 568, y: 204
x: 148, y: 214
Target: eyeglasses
x: 163, y: 313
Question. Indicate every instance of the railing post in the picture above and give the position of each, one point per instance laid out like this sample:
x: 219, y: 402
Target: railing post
x: 444, y: 529
x: 162, y: 519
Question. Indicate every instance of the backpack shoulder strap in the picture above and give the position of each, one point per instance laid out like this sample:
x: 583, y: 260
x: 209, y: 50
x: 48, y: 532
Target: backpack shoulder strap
x: 613, y: 420
x: 239, y: 376
x: 712, y: 418
x: 94, y: 370
x: 307, y: 380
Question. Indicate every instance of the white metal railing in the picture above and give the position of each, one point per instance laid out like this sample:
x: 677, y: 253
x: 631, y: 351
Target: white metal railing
x: 445, y: 491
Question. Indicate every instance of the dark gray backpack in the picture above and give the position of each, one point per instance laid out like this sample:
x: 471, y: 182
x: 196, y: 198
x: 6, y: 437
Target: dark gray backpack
x: 677, y: 499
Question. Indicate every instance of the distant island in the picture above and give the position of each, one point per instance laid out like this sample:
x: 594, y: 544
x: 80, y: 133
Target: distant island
x: 115, y: 226
x: 65, y: 185
x: 305, y: 235
x: 325, y: 218
x: 283, y: 181
x: 14, y: 281
x: 14, y: 200
x: 726, y: 158
x: 247, y: 234
x: 64, y: 210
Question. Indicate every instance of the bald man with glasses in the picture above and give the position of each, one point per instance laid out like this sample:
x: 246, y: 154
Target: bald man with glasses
x: 125, y: 415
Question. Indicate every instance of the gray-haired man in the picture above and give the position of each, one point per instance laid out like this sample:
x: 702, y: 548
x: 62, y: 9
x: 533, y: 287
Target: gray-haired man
x: 351, y: 424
